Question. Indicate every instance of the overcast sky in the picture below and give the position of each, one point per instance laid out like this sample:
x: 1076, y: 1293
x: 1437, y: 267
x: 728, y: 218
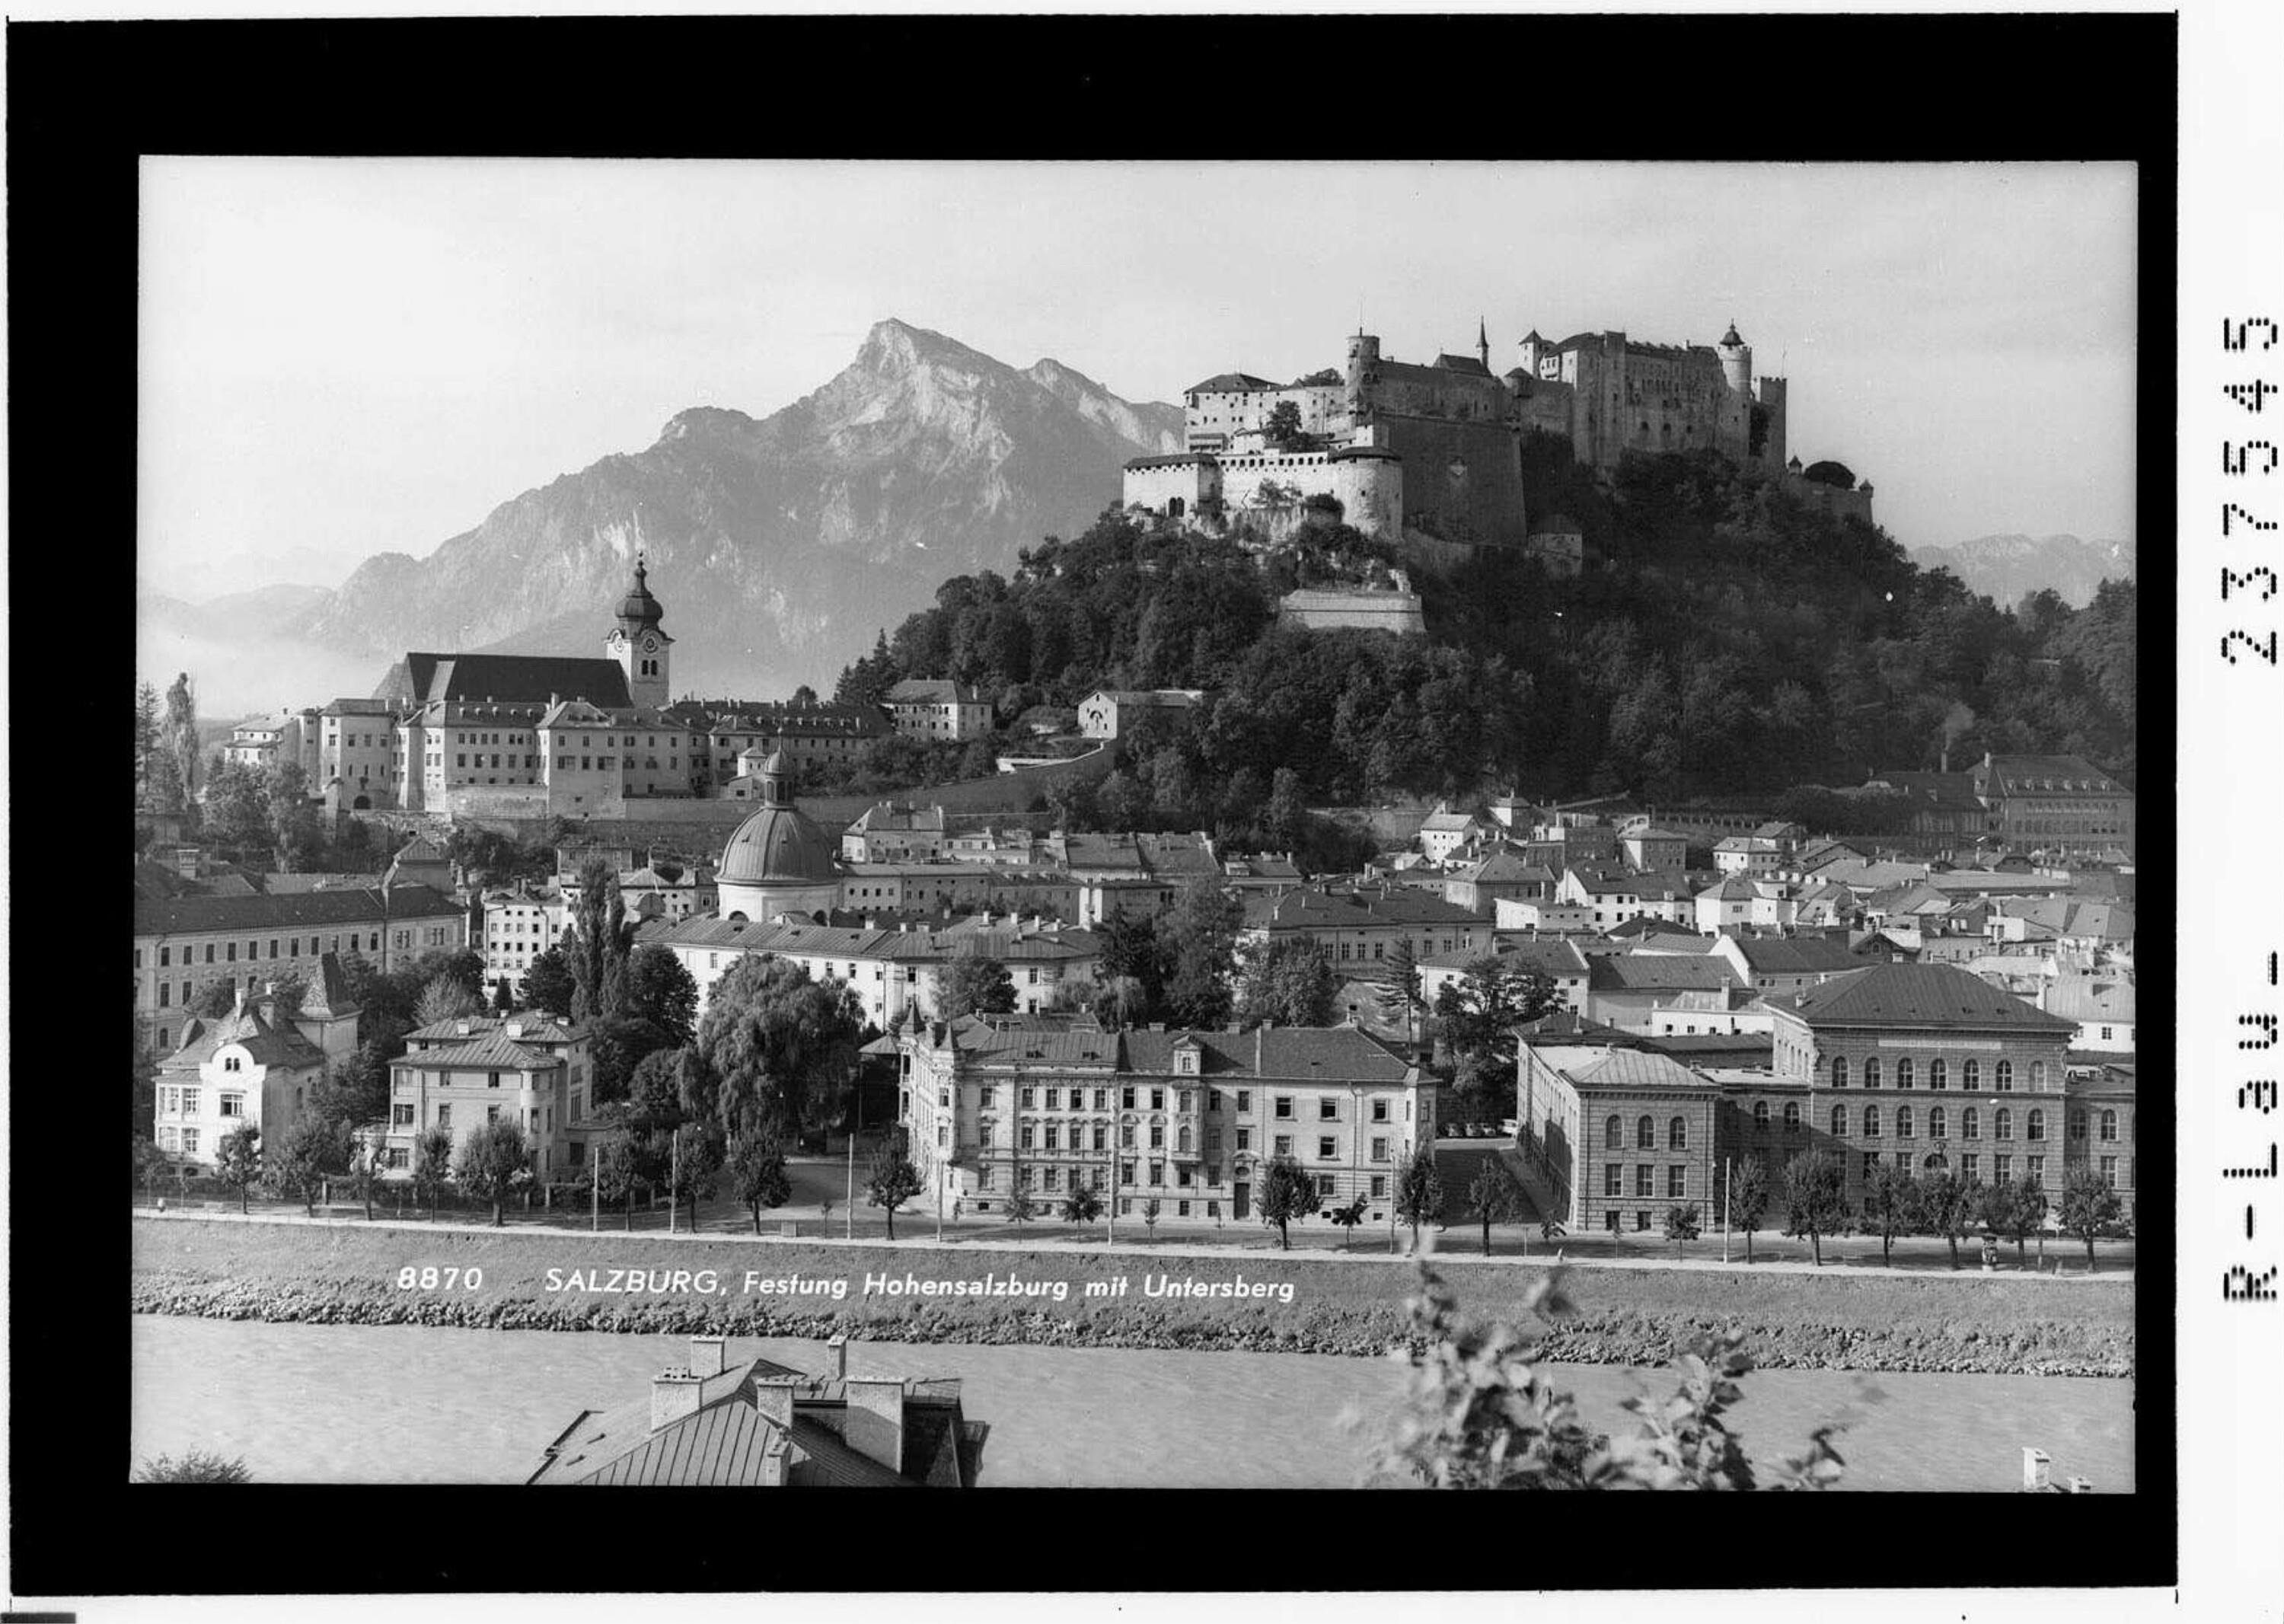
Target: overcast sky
x: 342, y: 357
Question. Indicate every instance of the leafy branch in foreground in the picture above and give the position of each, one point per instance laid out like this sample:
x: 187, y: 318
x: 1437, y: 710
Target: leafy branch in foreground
x: 1481, y: 1412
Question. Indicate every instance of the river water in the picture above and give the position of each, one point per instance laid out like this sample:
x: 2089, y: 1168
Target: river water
x: 439, y: 1405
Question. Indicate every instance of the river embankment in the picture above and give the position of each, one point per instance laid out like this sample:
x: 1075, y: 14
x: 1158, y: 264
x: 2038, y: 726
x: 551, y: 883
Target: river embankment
x: 551, y: 1280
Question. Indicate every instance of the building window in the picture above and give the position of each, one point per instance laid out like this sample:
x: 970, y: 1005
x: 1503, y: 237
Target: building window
x: 1327, y: 1148
x: 1938, y: 1076
x: 1329, y: 1110
x: 2077, y: 1125
x: 444, y: 1114
x: 1645, y: 1179
x: 1645, y: 1133
x: 1245, y: 1099
x: 1641, y: 1219
x: 1970, y: 1124
x: 1936, y: 1123
x: 2109, y: 1171
x: 1871, y: 1122
x: 1613, y: 1133
x: 1872, y: 1073
x: 1760, y: 1116
x: 2109, y: 1127
x: 1839, y: 1072
x: 2034, y: 1169
x: 1792, y: 1116
x: 1284, y: 1107
x: 1244, y: 1138
x: 1970, y: 1076
x: 2002, y: 1124
x: 2004, y: 1075
x: 233, y: 1104
x: 1023, y: 1136
x: 1904, y: 1122
x: 1126, y: 1098
x: 1904, y: 1073
x: 2034, y: 1127
x: 1380, y: 1111
x: 1840, y: 1121
x: 1157, y: 1099
x: 1157, y: 1135
x: 2039, y: 1072
x: 1676, y: 1134
x: 1677, y: 1181
x: 400, y: 1116
x: 1284, y: 1145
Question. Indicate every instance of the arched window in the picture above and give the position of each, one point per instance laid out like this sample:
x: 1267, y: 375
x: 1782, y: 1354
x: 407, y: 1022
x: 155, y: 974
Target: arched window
x: 2002, y: 1124
x: 1970, y: 1076
x: 1792, y: 1116
x: 2035, y: 1127
x: 1840, y: 1121
x: 2077, y: 1124
x: 2038, y: 1076
x: 1761, y: 1114
x: 1902, y: 1122
x: 1871, y: 1122
x: 1676, y: 1134
x: 1839, y: 1072
x: 2109, y: 1127
x: 1613, y: 1133
x: 1902, y: 1073
x: 1936, y: 1123
x: 2004, y: 1074
x: 1938, y: 1076
x: 1872, y: 1073
x: 1645, y: 1133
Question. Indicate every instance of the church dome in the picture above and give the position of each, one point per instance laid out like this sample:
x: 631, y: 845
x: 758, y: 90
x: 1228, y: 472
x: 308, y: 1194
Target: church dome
x: 1729, y: 339
x: 781, y: 844
x: 778, y: 845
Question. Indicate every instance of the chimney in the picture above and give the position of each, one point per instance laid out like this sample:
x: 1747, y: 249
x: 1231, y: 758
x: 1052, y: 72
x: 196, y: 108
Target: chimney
x: 875, y: 1421
x: 673, y: 1395
x: 774, y: 1459
x: 709, y: 1355
x: 773, y: 1399
x: 836, y: 1349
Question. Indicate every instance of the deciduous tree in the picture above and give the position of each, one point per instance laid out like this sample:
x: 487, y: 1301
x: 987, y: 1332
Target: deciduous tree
x: 1285, y: 1192
x: 1890, y: 1207
x: 238, y: 1160
x: 1420, y: 1191
x: 1681, y: 1225
x: 1286, y: 981
x: 1083, y: 1204
x: 1947, y: 1204
x: 2090, y: 1209
x: 305, y: 1156
x: 660, y: 989
x: 548, y: 984
x: 494, y: 1162
x: 756, y: 1167
x: 1495, y: 1196
x: 974, y: 983
x: 1749, y: 1197
x: 783, y: 1046
x: 432, y: 1165
x: 1815, y: 1198
x: 1201, y: 931
x: 894, y: 1180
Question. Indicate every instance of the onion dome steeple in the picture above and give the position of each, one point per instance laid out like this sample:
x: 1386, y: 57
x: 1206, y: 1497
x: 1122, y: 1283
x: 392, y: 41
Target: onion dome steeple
x: 638, y: 610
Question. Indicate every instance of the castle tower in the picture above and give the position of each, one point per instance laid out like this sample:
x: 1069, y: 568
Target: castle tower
x: 1364, y: 368
x: 640, y: 644
x: 1736, y: 362
x: 1482, y: 344
x: 1533, y: 346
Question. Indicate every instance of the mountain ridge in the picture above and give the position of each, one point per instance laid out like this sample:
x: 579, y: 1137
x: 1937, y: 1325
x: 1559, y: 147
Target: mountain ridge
x: 778, y: 544
x: 2006, y: 568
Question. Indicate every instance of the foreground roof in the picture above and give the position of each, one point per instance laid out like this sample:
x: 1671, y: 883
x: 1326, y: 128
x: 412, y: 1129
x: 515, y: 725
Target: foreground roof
x: 364, y: 904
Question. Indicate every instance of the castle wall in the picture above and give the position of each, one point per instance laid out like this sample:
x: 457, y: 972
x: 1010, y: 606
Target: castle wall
x: 1839, y: 504
x: 1196, y: 485
x: 1461, y: 480
x: 1209, y: 419
x: 1371, y: 492
x: 1353, y: 609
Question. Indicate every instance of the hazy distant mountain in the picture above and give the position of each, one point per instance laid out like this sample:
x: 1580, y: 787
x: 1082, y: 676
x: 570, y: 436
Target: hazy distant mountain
x: 246, y: 652
x: 2006, y: 568
x: 778, y: 545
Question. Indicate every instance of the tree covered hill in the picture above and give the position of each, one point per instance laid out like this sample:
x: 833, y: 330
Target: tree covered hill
x: 1724, y: 638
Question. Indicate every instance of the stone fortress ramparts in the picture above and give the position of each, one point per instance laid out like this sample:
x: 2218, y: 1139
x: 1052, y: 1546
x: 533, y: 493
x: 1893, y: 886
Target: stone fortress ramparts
x: 1432, y: 453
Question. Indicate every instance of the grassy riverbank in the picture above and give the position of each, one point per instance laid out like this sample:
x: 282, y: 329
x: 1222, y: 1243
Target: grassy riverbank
x: 351, y: 1274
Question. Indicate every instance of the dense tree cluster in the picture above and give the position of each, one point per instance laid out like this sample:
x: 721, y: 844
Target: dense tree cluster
x: 1739, y: 640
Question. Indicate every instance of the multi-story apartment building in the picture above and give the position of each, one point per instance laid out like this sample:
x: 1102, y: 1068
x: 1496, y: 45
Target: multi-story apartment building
x: 254, y: 1066
x: 894, y: 832
x: 519, y: 927
x: 892, y: 972
x: 527, y: 1066
x: 1183, y: 1118
x: 183, y: 943
x: 939, y: 710
x: 1363, y: 924
x: 1617, y: 1135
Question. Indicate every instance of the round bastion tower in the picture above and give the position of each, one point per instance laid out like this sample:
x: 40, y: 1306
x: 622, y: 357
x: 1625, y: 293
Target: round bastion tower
x: 1736, y: 362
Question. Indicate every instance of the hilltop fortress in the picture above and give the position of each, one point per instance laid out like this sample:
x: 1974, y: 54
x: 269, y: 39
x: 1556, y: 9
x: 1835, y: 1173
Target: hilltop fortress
x: 1436, y: 450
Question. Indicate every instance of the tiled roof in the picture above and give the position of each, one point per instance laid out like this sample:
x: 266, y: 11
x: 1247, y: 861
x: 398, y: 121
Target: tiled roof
x: 2095, y: 998
x: 182, y: 915
x: 1229, y: 382
x: 2049, y: 775
x: 1635, y: 1068
x: 1916, y: 995
x: 537, y: 1027
x: 279, y: 1044
x: 494, y: 1051
x: 1795, y: 956
x: 1311, y: 909
x: 516, y: 677
x: 932, y: 691
x: 1660, y: 972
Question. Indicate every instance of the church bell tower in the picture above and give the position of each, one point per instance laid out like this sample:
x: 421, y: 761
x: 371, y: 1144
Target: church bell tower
x: 643, y: 651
